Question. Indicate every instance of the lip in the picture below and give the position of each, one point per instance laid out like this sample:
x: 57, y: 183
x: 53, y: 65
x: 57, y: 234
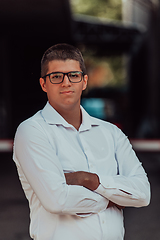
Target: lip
x: 66, y: 92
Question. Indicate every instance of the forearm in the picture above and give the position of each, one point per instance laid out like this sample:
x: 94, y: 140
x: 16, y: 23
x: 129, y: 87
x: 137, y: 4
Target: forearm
x: 85, y: 179
x: 56, y: 196
x: 126, y: 191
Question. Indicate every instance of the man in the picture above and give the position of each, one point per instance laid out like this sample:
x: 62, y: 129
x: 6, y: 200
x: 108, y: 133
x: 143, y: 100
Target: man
x: 77, y: 171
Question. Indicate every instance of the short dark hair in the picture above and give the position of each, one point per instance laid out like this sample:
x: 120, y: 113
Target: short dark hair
x: 62, y: 52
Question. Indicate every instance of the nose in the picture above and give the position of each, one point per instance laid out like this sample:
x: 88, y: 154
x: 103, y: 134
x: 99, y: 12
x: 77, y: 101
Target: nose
x: 66, y: 81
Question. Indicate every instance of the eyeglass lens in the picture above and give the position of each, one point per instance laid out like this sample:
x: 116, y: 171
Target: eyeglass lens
x: 58, y: 77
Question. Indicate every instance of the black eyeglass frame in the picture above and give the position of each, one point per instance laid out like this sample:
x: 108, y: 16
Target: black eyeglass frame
x: 44, y: 77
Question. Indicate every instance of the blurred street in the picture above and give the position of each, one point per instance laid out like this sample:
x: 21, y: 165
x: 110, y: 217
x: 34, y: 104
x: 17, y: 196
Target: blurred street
x: 120, y: 44
x: 140, y: 224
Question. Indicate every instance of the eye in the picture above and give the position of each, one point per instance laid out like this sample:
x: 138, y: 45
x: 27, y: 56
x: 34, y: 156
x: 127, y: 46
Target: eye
x: 56, y: 75
x: 75, y: 74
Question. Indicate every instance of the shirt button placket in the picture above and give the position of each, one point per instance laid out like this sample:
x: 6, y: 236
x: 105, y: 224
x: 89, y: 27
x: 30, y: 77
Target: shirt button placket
x: 88, y: 154
x: 103, y: 223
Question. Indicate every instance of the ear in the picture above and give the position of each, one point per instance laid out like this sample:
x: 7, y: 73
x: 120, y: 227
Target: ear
x: 43, y: 84
x: 85, y: 80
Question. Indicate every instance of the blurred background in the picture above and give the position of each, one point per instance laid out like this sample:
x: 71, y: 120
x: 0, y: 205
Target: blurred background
x: 120, y: 43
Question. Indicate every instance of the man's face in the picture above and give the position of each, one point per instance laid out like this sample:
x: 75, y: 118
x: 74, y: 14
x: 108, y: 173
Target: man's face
x: 65, y: 95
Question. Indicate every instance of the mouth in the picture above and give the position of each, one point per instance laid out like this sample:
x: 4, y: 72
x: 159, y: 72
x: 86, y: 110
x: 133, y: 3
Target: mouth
x: 66, y: 92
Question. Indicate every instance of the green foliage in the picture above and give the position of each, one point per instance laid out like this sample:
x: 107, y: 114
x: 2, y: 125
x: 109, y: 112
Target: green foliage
x: 114, y: 64
x: 110, y: 9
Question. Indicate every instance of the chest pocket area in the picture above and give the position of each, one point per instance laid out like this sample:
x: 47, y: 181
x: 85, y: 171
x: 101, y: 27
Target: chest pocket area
x: 107, y: 166
x: 70, y: 153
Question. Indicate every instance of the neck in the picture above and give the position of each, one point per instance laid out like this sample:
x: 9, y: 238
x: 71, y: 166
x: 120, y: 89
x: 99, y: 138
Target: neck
x: 72, y: 116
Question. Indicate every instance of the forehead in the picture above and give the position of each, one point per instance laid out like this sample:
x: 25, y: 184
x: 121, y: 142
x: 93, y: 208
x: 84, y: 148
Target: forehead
x: 63, y: 66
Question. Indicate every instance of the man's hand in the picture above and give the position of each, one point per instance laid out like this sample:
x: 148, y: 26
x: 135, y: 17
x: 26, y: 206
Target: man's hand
x: 85, y: 179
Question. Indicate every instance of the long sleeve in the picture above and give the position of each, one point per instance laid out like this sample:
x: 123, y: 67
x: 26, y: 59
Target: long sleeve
x: 130, y: 187
x: 36, y: 157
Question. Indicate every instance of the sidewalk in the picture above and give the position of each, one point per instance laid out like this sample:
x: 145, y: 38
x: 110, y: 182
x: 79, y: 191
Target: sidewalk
x: 140, y: 223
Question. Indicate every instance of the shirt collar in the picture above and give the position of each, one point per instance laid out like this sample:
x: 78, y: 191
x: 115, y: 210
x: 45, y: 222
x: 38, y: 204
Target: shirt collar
x: 52, y: 117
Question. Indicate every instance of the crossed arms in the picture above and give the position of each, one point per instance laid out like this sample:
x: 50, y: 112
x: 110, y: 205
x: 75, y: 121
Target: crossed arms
x: 88, y: 180
x: 40, y: 168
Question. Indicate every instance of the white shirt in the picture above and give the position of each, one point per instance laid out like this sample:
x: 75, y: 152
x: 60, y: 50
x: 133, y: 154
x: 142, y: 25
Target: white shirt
x: 46, y: 146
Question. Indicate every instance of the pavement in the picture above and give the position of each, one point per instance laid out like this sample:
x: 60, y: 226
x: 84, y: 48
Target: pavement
x: 140, y: 223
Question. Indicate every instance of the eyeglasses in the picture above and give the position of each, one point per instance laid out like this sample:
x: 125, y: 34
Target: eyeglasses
x: 58, y: 77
